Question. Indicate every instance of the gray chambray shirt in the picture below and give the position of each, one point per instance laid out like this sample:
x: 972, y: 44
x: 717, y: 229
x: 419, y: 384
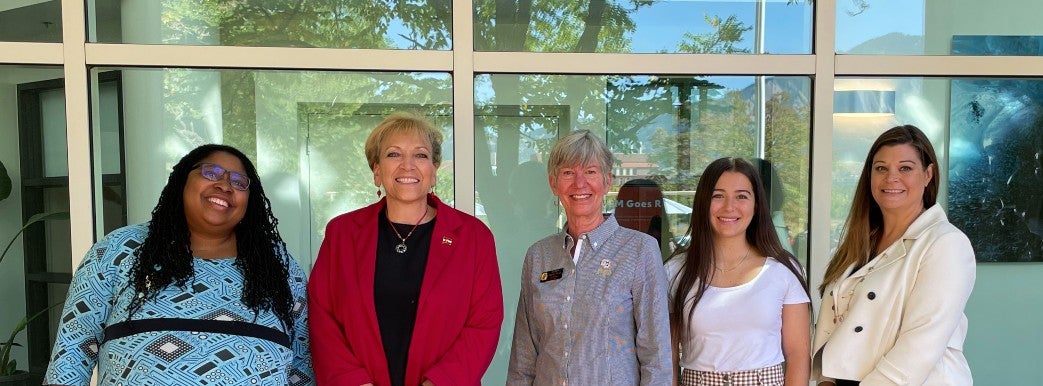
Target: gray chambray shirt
x: 603, y: 321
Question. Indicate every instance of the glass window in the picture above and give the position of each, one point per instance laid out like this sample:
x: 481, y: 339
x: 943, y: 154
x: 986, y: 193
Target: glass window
x: 413, y: 25
x: 722, y: 27
x: 34, y: 189
x: 663, y: 130
x: 989, y: 139
x: 303, y: 130
x: 31, y: 21
x: 939, y: 27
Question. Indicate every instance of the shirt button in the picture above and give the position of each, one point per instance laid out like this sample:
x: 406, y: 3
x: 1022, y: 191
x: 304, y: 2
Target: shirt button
x: 858, y: 329
x: 566, y: 326
x: 566, y: 354
x: 568, y: 298
x: 871, y: 295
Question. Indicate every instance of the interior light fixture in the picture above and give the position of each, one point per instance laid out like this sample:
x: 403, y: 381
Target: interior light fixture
x: 864, y: 102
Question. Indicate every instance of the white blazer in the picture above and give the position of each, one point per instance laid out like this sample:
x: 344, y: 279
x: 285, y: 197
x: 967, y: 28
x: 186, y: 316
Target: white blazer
x: 899, y: 319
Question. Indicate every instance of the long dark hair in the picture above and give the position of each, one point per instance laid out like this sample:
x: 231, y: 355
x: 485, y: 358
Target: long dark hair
x: 697, y: 269
x: 165, y: 257
x: 865, y: 221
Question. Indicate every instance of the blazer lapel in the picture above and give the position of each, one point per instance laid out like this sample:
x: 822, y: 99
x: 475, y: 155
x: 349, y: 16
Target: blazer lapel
x: 900, y: 248
x: 444, y: 245
x: 366, y: 256
x: 895, y: 252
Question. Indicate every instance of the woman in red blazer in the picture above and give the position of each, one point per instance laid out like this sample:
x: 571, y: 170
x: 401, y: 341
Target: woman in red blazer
x: 405, y: 291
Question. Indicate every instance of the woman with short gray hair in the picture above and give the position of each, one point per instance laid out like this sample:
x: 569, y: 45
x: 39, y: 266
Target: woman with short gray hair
x: 593, y: 304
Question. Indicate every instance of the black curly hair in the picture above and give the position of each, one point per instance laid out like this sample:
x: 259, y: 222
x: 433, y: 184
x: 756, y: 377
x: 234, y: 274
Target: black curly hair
x: 165, y: 257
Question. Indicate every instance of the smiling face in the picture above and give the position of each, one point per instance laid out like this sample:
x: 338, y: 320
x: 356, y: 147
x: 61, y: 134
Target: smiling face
x: 581, y: 191
x: 898, y: 179
x: 214, y: 207
x: 732, y: 205
x: 405, y: 168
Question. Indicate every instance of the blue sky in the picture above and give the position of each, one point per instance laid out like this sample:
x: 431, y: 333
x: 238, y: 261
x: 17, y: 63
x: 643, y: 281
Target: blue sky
x: 662, y: 25
x: 881, y: 18
x: 787, y: 26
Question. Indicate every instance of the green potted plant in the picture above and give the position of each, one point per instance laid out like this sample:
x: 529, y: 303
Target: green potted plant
x: 9, y: 373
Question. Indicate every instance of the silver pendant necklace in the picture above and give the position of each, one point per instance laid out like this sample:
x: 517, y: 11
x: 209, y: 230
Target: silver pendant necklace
x: 401, y: 247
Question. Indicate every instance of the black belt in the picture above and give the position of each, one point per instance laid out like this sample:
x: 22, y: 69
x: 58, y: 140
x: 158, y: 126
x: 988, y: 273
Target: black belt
x: 132, y: 327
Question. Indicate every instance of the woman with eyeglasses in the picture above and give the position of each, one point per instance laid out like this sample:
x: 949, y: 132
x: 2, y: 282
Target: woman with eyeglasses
x: 203, y: 294
x: 405, y: 291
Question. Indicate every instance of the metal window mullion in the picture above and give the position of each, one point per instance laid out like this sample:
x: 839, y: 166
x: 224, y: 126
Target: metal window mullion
x: 640, y: 64
x: 821, y: 144
x: 462, y: 71
x: 938, y: 66
x: 77, y: 118
x: 144, y: 55
x: 31, y: 53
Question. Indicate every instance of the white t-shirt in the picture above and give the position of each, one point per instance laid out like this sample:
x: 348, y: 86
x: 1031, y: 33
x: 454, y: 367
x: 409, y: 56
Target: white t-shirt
x: 738, y: 328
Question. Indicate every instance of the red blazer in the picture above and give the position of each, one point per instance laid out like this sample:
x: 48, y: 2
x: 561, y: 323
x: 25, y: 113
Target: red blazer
x: 458, y: 318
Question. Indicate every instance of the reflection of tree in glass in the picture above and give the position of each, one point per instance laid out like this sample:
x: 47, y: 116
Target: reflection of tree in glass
x: 554, y: 25
x: 315, y: 23
x: 787, y: 145
x: 726, y: 34
x: 727, y: 129
x: 724, y: 128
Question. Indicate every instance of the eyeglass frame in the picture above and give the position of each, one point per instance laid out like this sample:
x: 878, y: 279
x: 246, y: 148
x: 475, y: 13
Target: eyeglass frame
x: 221, y: 173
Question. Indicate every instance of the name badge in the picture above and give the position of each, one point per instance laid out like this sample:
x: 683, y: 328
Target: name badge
x: 554, y: 274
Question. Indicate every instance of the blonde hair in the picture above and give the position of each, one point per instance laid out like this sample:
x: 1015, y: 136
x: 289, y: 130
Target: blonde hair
x: 403, y: 122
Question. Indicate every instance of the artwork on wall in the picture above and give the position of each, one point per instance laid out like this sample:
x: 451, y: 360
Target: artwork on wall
x: 995, y: 148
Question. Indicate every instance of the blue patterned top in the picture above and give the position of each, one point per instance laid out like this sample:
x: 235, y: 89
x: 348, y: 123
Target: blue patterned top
x: 165, y: 344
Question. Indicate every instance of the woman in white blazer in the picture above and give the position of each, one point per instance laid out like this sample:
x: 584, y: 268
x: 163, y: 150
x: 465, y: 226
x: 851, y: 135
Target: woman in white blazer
x: 894, y: 292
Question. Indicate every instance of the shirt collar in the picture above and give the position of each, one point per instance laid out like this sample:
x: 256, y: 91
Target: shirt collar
x: 595, y: 238
x: 925, y: 221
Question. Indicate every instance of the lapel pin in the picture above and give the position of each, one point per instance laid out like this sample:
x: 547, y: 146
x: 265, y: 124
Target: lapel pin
x: 446, y: 240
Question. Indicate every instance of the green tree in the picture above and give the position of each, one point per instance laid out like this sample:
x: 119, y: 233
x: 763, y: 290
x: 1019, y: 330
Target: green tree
x: 787, y: 145
x: 726, y: 34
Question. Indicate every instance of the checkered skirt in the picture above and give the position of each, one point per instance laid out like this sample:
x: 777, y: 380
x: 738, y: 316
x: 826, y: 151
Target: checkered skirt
x: 768, y: 376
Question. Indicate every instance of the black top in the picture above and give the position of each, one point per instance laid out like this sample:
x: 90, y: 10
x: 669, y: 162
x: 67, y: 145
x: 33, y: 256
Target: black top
x: 396, y: 289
